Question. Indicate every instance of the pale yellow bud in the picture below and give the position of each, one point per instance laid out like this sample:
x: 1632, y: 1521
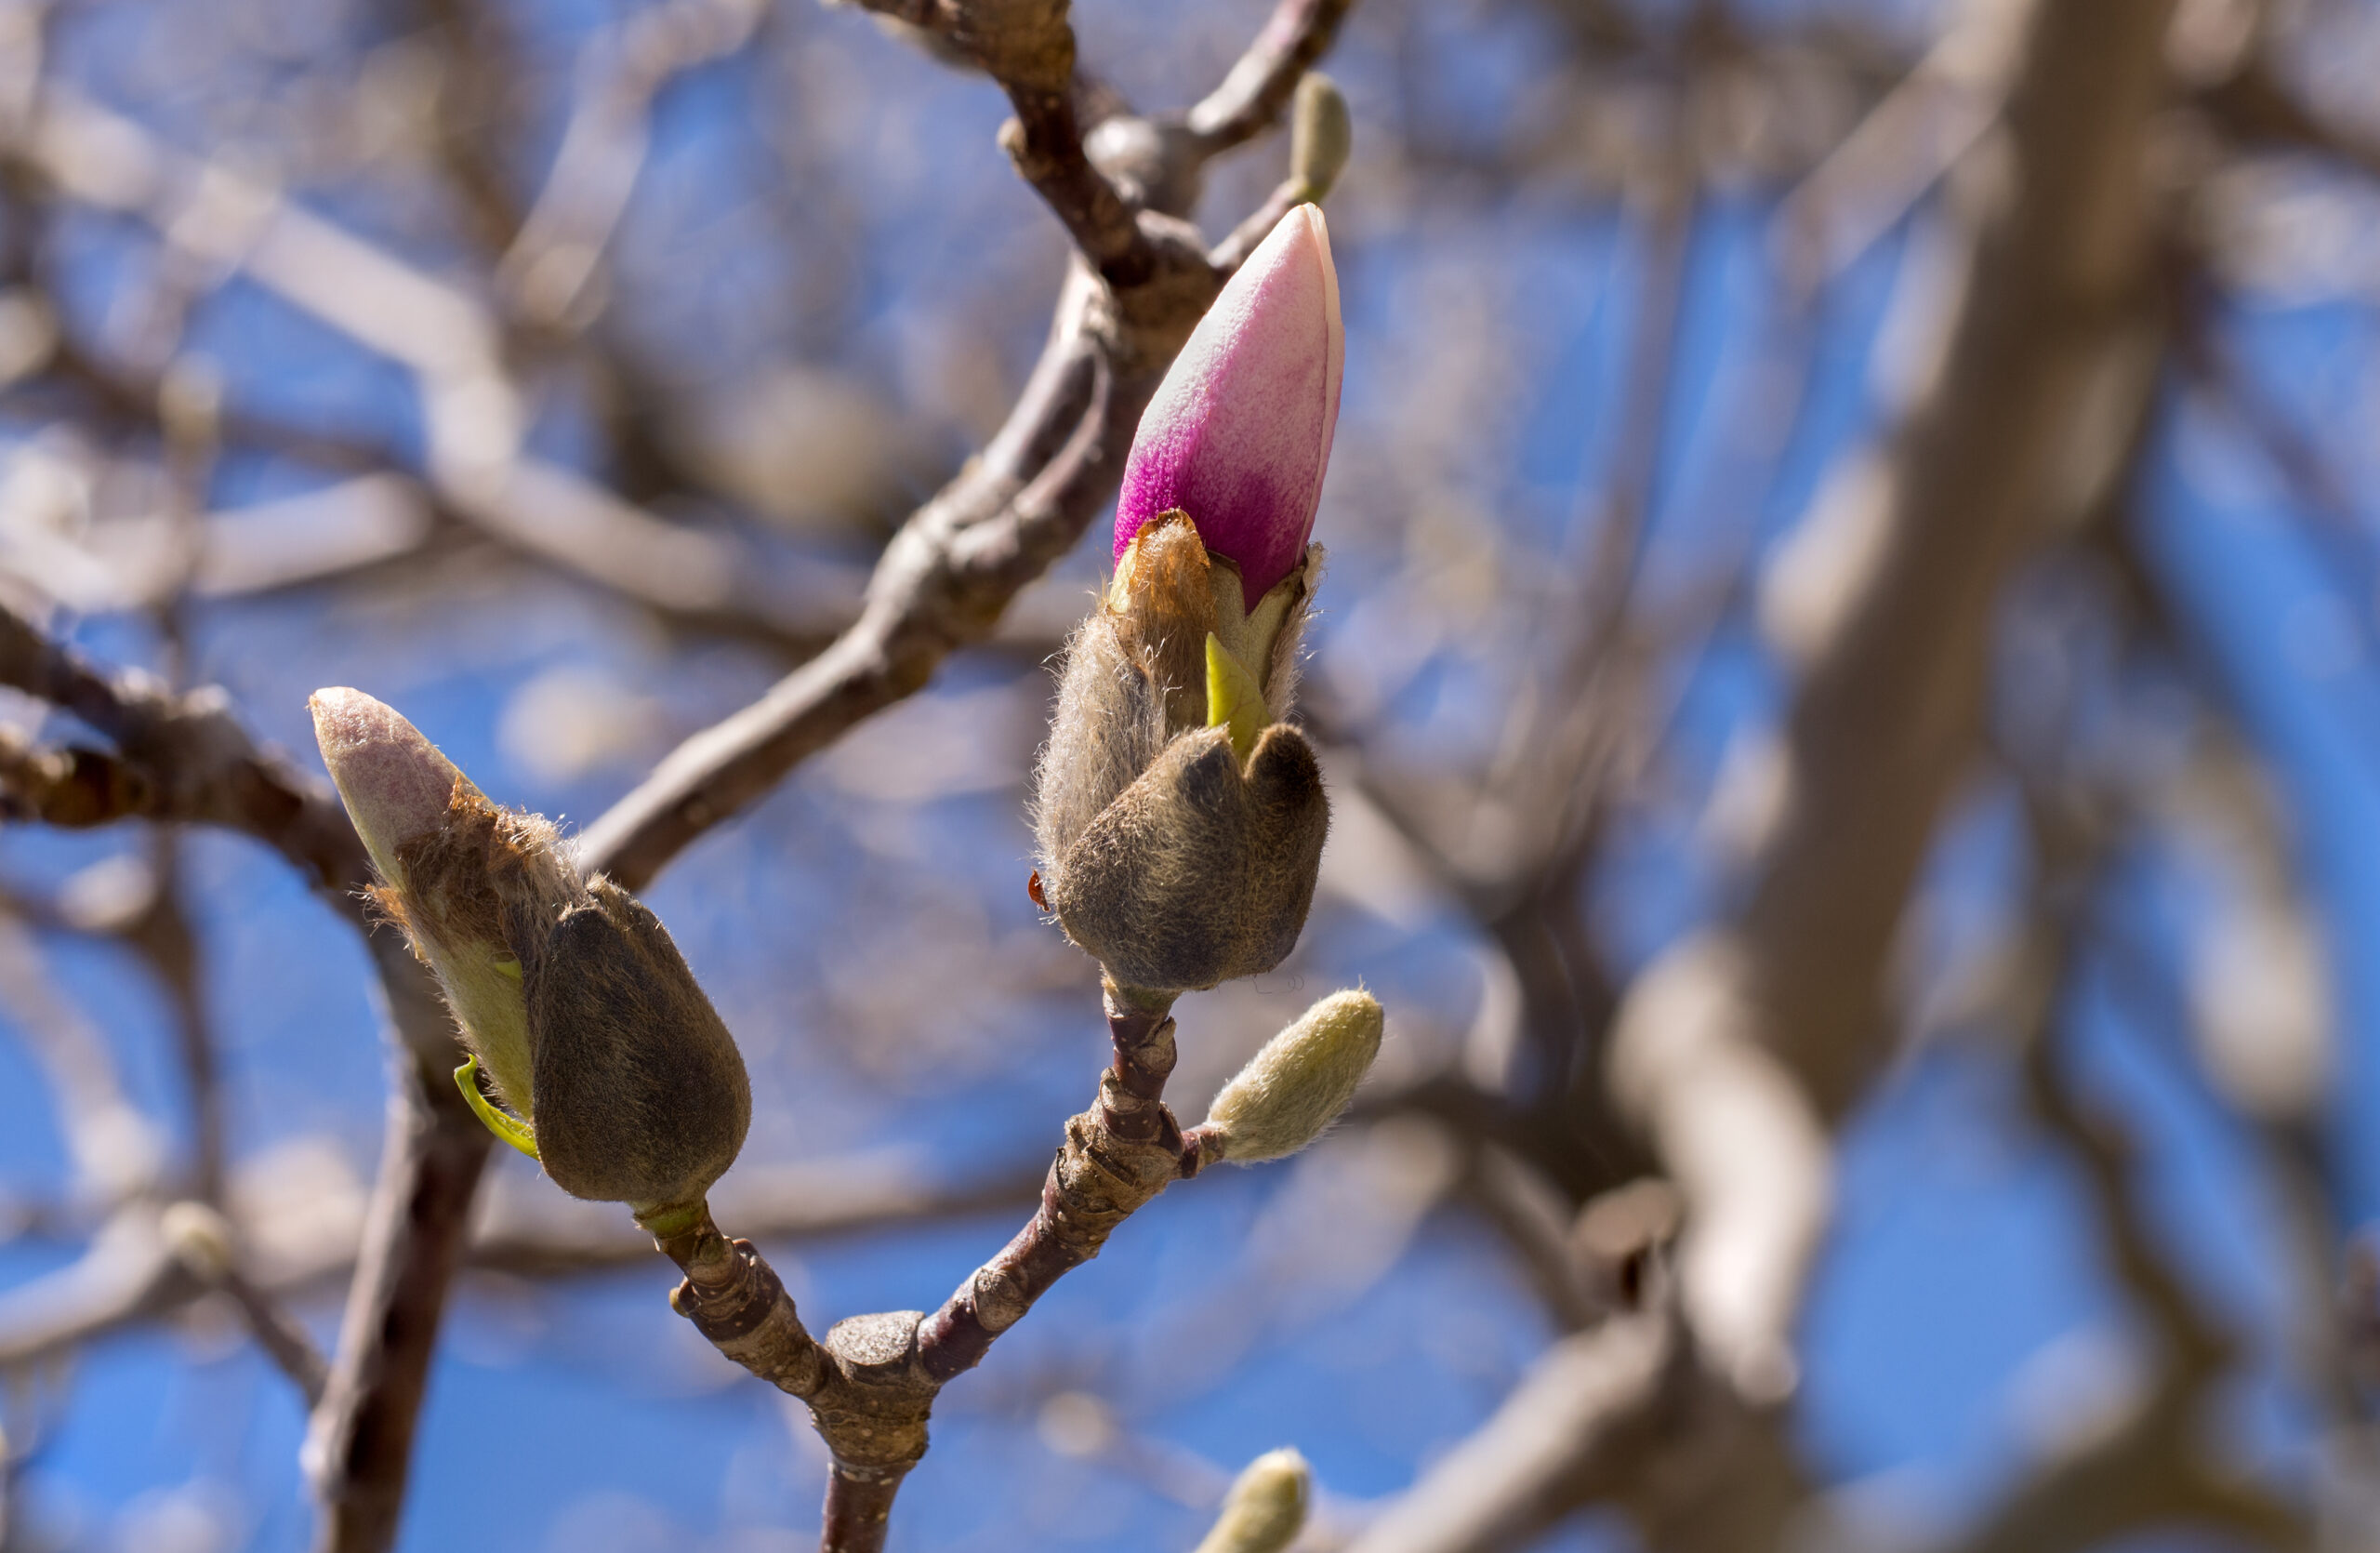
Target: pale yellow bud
x: 1321, y: 135
x: 1300, y: 1083
x: 1265, y: 1508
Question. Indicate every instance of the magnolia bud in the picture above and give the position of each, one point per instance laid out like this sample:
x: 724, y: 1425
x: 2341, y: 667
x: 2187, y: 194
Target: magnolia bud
x: 1297, y: 1085
x: 1239, y: 434
x: 1180, y: 819
x: 1265, y: 1508
x: 1321, y: 136
x: 619, y: 1075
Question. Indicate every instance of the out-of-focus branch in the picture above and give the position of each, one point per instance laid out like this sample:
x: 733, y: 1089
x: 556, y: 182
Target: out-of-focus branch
x: 473, y: 416
x: 126, y: 1274
x: 196, y: 761
x: 115, y: 1150
x: 555, y: 258
x: 1591, y: 1397
x: 2022, y: 421
x: 2149, y: 1467
x: 359, y: 1439
x: 201, y: 1242
x: 1260, y: 82
x: 1525, y: 1210
x: 1732, y: 1049
x: 2255, y: 105
x: 163, y: 937
x: 478, y: 64
x: 289, y: 1346
x: 1895, y: 156
x: 71, y: 787
x: 283, y: 1257
x: 205, y: 768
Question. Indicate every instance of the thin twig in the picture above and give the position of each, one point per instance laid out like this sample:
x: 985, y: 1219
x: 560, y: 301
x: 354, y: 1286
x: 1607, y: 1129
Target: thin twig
x: 871, y: 1382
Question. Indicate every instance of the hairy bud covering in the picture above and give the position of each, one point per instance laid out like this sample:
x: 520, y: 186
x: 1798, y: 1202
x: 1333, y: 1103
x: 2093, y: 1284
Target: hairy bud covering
x: 642, y: 1096
x: 1179, y: 818
x: 1265, y: 1508
x: 1180, y: 838
x: 1300, y: 1082
x: 592, y: 1029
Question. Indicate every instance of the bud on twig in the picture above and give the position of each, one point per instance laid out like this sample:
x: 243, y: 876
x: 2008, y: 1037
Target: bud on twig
x: 1265, y: 1508
x: 1321, y: 135
x: 1299, y: 1084
x: 1180, y: 819
x: 620, y: 1075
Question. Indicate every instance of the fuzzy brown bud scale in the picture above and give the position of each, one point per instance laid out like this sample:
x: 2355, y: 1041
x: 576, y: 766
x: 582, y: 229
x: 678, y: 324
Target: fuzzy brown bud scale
x: 1175, y: 856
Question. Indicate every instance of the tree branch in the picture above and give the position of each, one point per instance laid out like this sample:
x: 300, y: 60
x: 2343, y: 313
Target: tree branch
x: 1257, y: 88
x: 871, y: 1383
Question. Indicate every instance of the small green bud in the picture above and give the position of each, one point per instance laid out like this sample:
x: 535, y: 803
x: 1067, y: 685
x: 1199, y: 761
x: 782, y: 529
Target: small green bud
x: 618, y: 1074
x: 1321, y: 134
x: 1265, y: 1508
x: 1300, y: 1083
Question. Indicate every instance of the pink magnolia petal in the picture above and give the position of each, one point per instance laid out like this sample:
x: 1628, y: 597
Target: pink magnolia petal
x: 1239, y: 432
x: 395, y: 783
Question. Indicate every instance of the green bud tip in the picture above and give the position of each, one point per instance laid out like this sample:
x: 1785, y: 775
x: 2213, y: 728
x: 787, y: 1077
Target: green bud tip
x: 1234, y: 698
x: 508, y: 1128
x: 1265, y: 1508
x: 1300, y: 1082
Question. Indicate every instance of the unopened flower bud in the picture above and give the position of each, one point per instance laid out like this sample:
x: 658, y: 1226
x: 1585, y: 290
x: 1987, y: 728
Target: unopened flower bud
x: 1239, y: 434
x: 1265, y: 1508
x: 618, y: 1074
x: 1179, y: 818
x: 1321, y: 135
x: 1299, y: 1084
